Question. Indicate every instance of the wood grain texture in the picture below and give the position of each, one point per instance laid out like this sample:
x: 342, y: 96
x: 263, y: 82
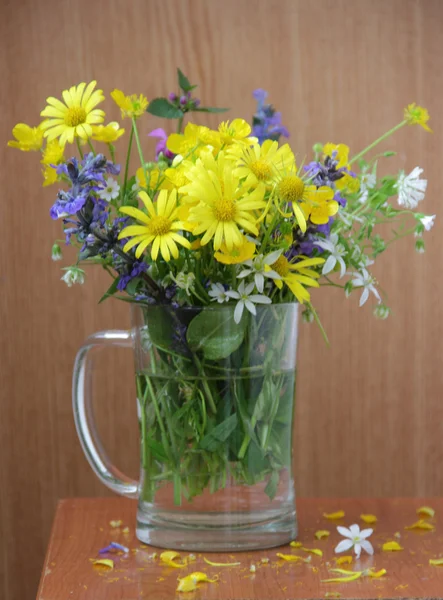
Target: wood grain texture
x: 82, y: 527
x: 369, y: 411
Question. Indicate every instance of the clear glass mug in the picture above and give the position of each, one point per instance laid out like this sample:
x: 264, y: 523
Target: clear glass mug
x: 215, y: 403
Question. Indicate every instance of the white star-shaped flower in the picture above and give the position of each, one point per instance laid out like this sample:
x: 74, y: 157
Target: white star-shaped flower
x: 428, y: 222
x: 218, y: 293
x: 336, y: 250
x: 411, y: 189
x: 355, y: 539
x: 246, y: 299
x: 366, y: 281
x: 257, y: 267
x: 111, y: 191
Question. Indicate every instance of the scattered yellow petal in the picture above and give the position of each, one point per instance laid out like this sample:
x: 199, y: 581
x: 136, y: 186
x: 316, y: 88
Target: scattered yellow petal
x: 315, y: 551
x: 115, y: 524
x: 332, y: 595
x: 343, y: 579
x: 397, y: 535
x: 344, y: 560
x: 344, y: 571
x: 339, y: 514
x: 322, y: 533
x: 402, y: 587
x: 292, y: 557
x: 420, y: 524
x: 296, y: 544
x: 104, y: 562
x: 370, y: 519
x: 377, y: 574
x: 436, y: 562
x: 391, y: 547
x: 169, y: 556
x: 265, y: 561
x: 125, y: 530
x: 426, y: 512
x: 216, y: 564
x: 189, y: 583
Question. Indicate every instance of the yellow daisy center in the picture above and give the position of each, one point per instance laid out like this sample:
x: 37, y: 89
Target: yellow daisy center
x: 281, y: 266
x: 224, y: 210
x: 261, y: 169
x: 159, y: 225
x: 76, y: 115
x: 291, y: 188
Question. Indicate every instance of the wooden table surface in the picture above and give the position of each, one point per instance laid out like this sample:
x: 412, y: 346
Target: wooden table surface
x: 82, y: 527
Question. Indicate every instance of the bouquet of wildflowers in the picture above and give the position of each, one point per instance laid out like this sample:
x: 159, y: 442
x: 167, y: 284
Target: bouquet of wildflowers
x: 224, y: 219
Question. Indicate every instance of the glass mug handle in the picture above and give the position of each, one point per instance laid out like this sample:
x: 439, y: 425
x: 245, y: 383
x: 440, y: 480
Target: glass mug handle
x: 83, y: 412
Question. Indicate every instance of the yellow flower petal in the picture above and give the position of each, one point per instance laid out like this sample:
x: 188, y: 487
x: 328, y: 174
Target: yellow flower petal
x: 436, y: 562
x: 420, y: 524
x: 370, y: 519
x: 339, y: 514
x: 426, y: 512
x: 292, y: 558
x: 169, y: 556
x: 115, y: 524
x: 315, y: 551
x: 332, y: 595
x: 391, y: 547
x: 217, y: 564
x: 104, y: 562
x: 417, y: 115
x: 343, y: 560
x: 296, y: 544
x: 377, y: 574
x: 322, y: 533
x: 343, y: 579
x: 189, y: 583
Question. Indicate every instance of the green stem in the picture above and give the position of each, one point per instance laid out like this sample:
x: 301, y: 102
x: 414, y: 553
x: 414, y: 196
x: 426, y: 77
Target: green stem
x: 317, y: 320
x: 205, y: 384
x: 180, y: 124
x: 377, y: 141
x: 399, y: 236
x: 79, y: 148
x: 92, y: 147
x: 112, y: 152
x: 140, y: 151
x: 128, y: 156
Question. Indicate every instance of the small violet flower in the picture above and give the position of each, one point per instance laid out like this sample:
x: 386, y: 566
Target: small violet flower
x: 355, y: 539
x: 246, y: 299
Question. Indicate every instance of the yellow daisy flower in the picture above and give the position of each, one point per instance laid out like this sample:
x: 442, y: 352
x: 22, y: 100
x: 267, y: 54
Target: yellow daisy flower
x: 159, y: 227
x: 290, y: 188
x: 237, y: 254
x: 76, y: 117
x: 26, y: 138
x: 342, y: 153
x: 53, y: 154
x: 260, y: 163
x: 319, y: 204
x: 417, y: 115
x: 225, y: 205
x: 153, y: 174
x: 130, y: 106
x: 237, y: 130
x: 297, y: 275
x: 108, y: 134
x: 188, y: 141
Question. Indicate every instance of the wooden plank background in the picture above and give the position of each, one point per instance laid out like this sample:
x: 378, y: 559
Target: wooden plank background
x: 369, y: 409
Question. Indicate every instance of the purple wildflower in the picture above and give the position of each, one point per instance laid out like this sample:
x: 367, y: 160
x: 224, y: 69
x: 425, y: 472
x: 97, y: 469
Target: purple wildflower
x: 266, y: 122
x: 130, y: 272
x: 160, y: 148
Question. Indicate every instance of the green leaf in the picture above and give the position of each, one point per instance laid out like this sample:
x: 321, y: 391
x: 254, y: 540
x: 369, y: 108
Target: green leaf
x: 110, y: 291
x: 219, y: 434
x: 271, y: 487
x: 210, y: 109
x: 215, y: 333
x: 161, y: 107
x: 156, y: 449
x: 183, y: 82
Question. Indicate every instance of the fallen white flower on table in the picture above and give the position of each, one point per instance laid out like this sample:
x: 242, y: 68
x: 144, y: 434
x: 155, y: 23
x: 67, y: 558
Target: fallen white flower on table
x: 355, y: 539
